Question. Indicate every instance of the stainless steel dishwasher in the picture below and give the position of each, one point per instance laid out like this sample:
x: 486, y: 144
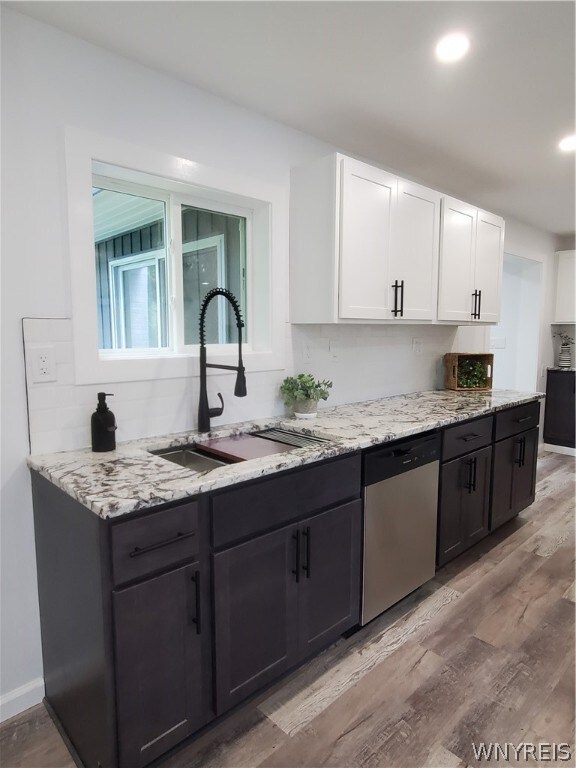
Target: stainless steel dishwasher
x: 400, y: 513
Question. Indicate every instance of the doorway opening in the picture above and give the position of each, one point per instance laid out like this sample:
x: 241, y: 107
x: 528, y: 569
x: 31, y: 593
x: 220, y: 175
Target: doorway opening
x: 515, y: 340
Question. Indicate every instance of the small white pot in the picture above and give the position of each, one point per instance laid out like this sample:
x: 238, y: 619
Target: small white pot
x: 305, y: 409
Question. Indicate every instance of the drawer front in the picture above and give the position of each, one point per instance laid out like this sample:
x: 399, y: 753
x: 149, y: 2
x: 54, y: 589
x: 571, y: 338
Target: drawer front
x: 154, y: 542
x: 467, y: 437
x: 262, y: 506
x: 518, y: 419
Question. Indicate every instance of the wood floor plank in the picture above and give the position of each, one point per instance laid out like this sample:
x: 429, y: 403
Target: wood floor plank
x: 31, y: 740
x: 340, y: 730
x: 515, y: 616
x: 481, y: 601
x: 243, y: 740
x: 514, y: 699
x: 309, y: 694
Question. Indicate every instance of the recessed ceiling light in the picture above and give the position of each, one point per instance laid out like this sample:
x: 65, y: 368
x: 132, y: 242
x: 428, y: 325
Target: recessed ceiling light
x: 568, y: 144
x: 452, y: 47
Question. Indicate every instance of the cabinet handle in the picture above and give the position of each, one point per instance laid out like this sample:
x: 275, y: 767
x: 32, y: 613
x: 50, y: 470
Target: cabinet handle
x: 479, y: 304
x: 470, y: 437
x: 137, y: 551
x: 296, y: 570
x: 197, y: 619
x: 523, y: 419
x: 402, y: 298
x: 474, y: 312
x: 395, y: 286
x: 518, y: 459
x: 523, y: 452
x: 474, y: 466
x: 470, y: 484
x: 306, y: 568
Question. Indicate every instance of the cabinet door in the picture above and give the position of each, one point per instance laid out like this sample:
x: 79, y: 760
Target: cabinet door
x: 329, y: 590
x: 565, y: 300
x: 457, y: 255
x: 559, y: 415
x: 367, y: 207
x: 158, y: 665
x: 477, y: 499
x: 255, y: 614
x: 506, y: 455
x: 525, y: 472
x: 414, y: 257
x: 488, y: 265
x: 451, y: 532
x: 464, y: 503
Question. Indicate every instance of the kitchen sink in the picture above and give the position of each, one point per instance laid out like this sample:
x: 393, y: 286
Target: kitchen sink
x: 190, y: 458
x: 218, y: 452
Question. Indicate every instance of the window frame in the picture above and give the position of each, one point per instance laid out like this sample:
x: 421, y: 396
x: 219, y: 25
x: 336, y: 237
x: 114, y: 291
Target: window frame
x: 89, y: 154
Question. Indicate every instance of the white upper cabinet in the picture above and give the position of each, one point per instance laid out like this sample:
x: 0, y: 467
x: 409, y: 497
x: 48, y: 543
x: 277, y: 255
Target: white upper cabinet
x: 363, y: 245
x: 367, y: 210
x: 565, y: 287
x: 488, y: 266
x: 471, y: 253
x: 414, y: 258
x: 367, y: 246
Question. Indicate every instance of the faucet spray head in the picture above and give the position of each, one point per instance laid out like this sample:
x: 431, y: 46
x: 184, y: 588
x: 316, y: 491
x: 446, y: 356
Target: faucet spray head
x: 240, y: 386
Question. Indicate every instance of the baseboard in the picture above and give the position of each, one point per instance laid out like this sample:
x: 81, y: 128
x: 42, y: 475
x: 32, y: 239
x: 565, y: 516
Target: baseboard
x: 22, y: 698
x: 559, y: 449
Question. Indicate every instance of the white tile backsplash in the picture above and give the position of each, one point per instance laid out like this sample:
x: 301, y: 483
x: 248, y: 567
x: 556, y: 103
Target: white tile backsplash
x: 363, y: 361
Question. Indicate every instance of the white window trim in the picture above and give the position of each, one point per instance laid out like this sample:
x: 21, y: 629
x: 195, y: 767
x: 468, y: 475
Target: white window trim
x: 88, y: 153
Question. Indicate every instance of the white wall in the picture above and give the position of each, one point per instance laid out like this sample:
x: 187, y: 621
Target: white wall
x: 50, y: 80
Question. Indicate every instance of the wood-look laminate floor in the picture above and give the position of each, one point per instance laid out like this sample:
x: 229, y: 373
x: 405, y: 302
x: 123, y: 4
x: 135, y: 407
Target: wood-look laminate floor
x: 482, y: 653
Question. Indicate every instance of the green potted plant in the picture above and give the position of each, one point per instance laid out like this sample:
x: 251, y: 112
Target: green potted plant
x: 302, y: 393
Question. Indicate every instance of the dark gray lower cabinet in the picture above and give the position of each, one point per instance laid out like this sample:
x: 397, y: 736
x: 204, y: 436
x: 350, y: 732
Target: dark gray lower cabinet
x: 514, y: 476
x: 280, y: 597
x: 464, y: 503
x: 255, y: 595
x: 329, y: 586
x: 559, y: 415
x: 158, y: 654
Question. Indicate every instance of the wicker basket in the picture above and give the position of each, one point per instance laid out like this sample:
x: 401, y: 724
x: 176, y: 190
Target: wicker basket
x: 453, y: 359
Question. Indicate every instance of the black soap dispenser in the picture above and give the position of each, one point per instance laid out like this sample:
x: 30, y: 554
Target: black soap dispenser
x: 103, y: 426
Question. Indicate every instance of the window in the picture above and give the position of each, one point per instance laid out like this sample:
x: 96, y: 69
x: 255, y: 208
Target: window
x: 256, y: 270
x: 135, y: 278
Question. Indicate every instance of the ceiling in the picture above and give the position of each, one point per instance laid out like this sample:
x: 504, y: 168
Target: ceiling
x: 362, y: 76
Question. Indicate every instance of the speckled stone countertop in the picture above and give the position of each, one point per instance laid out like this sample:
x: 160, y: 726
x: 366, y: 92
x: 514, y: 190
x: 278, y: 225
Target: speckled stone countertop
x: 130, y: 478
x: 558, y: 368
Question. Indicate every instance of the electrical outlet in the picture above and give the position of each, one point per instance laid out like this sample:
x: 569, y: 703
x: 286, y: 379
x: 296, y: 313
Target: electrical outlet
x: 43, y: 362
x: 417, y: 346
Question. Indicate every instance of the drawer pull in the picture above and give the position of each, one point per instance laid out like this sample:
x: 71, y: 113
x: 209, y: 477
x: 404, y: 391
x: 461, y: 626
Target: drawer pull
x: 137, y: 551
x: 470, y: 437
x: 523, y: 419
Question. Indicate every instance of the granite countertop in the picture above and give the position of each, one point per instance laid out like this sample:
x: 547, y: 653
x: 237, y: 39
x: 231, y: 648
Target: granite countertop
x: 558, y: 368
x: 130, y: 478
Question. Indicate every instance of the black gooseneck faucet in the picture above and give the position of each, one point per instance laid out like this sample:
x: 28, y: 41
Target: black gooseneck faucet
x: 204, y: 411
